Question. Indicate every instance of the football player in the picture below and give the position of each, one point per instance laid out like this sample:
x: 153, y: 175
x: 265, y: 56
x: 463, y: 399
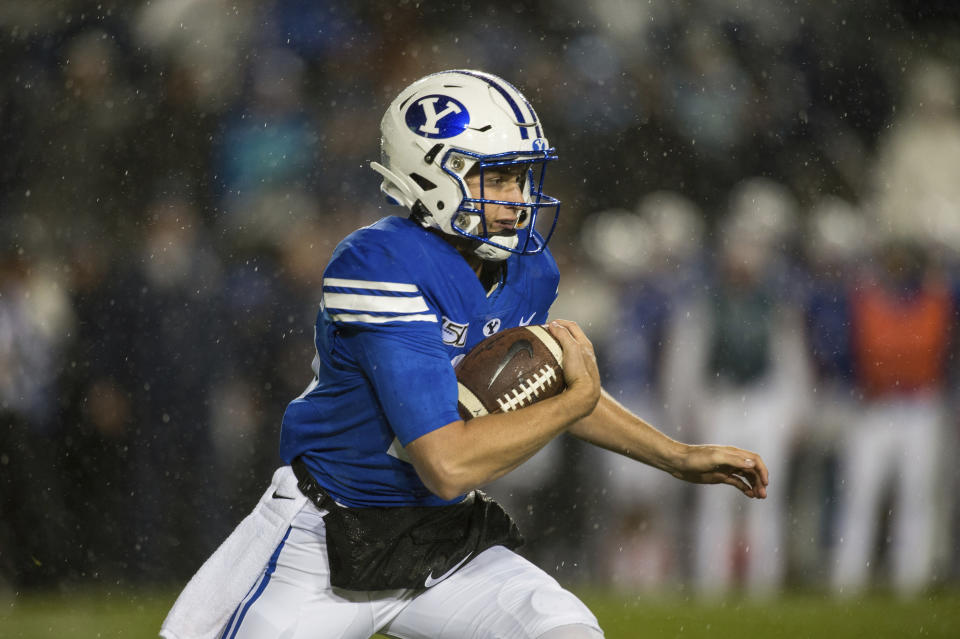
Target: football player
x: 385, y: 530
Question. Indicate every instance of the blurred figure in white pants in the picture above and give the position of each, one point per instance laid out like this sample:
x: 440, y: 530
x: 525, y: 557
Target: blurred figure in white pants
x: 835, y: 243
x: 743, y: 376
x: 902, y: 316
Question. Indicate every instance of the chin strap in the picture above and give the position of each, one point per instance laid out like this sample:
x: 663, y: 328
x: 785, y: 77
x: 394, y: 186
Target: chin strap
x: 491, y: 253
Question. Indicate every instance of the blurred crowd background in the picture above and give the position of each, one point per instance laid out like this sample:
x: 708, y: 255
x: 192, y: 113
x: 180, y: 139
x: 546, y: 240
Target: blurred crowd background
x: 760, y: 231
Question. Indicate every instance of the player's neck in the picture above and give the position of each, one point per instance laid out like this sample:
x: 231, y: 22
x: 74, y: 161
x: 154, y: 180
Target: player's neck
x: 491, y: 275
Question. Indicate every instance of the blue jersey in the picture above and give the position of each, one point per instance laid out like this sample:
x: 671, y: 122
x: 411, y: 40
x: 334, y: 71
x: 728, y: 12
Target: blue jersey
x: 400, y: 307
x: 828, y: 317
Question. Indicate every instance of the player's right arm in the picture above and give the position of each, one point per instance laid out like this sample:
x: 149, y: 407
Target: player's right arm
x: 461, y: 456
x: 381, y: 318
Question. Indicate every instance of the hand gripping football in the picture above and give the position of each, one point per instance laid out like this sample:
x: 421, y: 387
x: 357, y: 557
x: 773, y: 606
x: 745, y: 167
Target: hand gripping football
x: 509, y: 370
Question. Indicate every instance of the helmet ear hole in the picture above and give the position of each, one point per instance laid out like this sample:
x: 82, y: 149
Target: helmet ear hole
x: 422, y: 182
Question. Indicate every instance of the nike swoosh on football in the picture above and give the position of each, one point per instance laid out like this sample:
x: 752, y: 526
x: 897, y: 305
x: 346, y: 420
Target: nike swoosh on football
x: 277, y: 495
x: 519, y: 345
x: 430, y: 581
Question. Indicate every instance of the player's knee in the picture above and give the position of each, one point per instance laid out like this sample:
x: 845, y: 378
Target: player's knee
x: 572, y: 631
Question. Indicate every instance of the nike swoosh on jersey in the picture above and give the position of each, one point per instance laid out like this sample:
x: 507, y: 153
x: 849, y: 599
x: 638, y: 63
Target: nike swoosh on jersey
x: 519, y: 345
x: 526, y: 322
x: 277, y: 495
x: 431, y: 581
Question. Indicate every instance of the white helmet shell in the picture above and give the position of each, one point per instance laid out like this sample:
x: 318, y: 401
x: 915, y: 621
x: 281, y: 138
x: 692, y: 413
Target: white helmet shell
x: 442, y: 126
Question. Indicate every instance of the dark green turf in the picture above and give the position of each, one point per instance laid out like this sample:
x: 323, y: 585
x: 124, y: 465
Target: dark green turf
x: 129, y: 615
x: 794, y: 617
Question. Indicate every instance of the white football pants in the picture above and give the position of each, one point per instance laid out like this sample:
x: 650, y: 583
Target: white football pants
x: 496, y: 595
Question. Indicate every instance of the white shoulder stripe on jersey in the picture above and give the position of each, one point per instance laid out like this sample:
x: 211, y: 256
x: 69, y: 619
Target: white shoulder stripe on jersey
x: 381, y: 319
x: 381, y: 303
x: 396, y: 287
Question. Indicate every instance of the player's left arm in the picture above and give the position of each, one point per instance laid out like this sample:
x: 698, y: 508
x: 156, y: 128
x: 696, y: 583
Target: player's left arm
x: 615, y: 428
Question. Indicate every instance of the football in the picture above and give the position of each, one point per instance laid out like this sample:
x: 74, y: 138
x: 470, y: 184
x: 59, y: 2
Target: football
x: 509, y: 370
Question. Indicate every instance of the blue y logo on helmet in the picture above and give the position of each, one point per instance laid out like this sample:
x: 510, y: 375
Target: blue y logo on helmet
x: 539, y: 144
x: 437, y: 116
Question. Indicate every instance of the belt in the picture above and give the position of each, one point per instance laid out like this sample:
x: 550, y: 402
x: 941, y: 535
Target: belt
x: 309, y: 486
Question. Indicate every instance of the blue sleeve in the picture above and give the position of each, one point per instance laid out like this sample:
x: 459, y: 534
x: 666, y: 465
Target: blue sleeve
x: 374, y: 302
x: 412, y: 377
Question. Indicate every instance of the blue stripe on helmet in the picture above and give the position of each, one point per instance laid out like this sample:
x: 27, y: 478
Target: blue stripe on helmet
x: 533, y: 114
x: 510, y: 101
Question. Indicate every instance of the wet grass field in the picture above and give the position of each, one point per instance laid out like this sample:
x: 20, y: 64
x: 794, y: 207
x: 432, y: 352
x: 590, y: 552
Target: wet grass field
x: 129, y: 615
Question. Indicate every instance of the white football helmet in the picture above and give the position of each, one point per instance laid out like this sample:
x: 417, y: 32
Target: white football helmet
x: 445, y: 124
